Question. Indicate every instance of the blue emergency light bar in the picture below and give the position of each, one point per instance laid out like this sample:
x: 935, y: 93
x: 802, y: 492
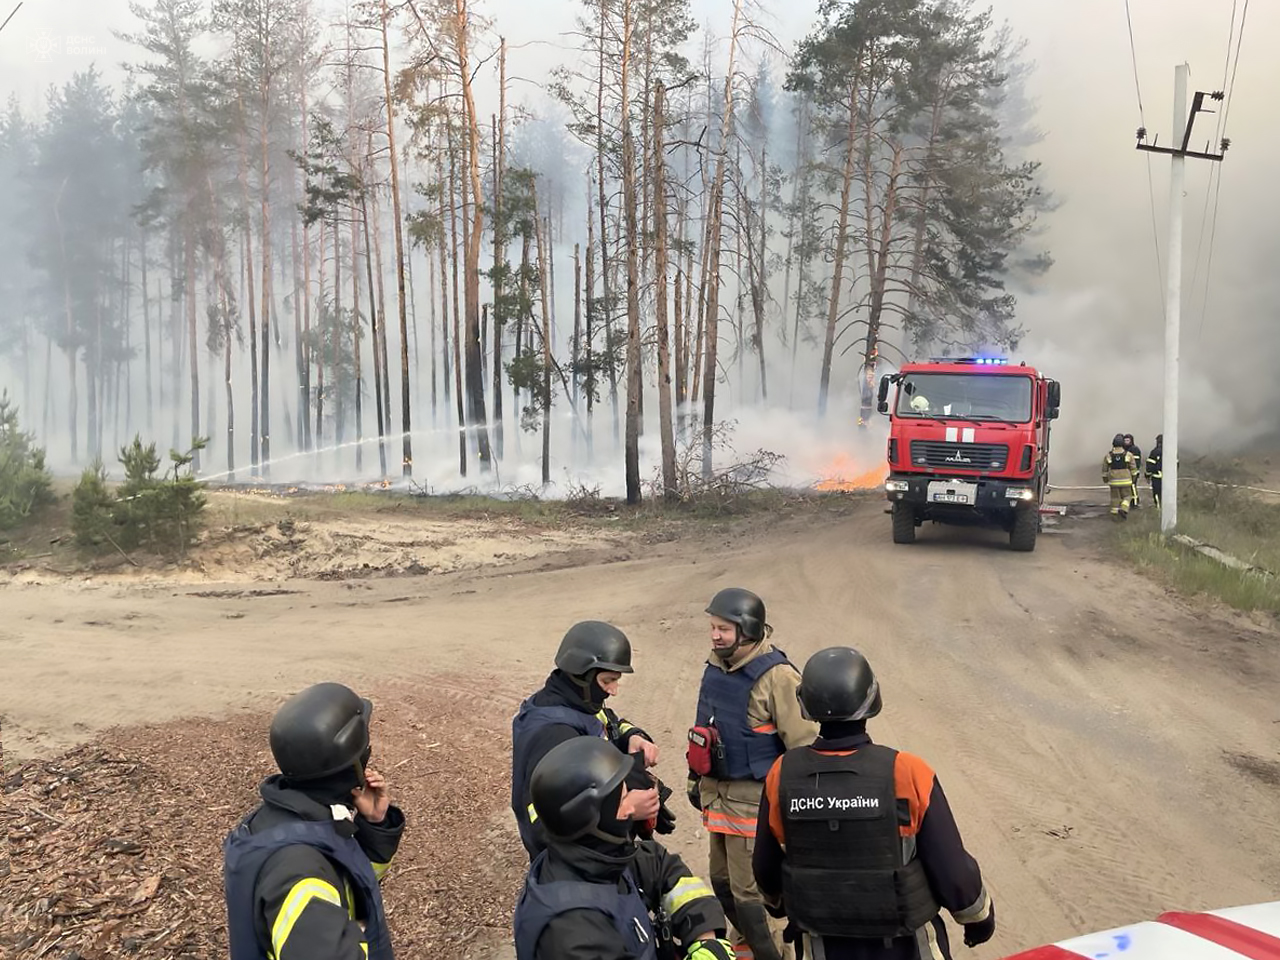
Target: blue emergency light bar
x: 980, y: 361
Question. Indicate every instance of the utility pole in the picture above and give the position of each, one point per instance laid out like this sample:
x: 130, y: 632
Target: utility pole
x: 1173, y: 294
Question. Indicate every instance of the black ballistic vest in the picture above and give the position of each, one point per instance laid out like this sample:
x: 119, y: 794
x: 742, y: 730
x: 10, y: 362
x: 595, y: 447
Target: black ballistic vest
x: 844, y: 873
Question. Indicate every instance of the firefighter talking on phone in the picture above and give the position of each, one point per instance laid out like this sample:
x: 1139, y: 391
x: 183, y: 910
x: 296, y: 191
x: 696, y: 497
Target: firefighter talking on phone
x: 748, y: 716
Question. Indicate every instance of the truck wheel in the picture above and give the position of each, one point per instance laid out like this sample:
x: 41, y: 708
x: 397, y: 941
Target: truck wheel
x: 1026, y: 524
x: 904, y: 523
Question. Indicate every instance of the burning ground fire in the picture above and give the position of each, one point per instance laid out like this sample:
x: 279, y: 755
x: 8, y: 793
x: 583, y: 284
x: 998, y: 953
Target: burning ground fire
x: 844, y: 474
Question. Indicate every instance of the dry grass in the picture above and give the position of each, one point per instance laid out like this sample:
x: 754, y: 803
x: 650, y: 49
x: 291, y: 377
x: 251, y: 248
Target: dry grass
x: 1236, y: 522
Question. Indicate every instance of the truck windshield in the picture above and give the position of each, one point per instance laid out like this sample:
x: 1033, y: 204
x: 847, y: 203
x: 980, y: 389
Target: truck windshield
x: 965, y: 396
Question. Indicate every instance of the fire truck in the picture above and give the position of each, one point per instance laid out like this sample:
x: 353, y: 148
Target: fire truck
x: 968, y: 444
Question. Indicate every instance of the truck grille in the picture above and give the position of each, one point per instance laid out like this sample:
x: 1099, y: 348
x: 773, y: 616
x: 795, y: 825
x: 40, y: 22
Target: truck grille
x: 959, y: 456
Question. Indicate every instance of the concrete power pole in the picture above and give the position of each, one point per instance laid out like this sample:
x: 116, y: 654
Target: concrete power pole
x: 1173, y: 294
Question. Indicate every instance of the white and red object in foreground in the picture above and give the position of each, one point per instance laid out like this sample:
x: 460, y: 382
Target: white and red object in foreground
x: 1252, y: 932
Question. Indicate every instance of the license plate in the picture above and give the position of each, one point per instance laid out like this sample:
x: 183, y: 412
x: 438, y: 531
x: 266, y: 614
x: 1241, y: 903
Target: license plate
x: 953, y: 491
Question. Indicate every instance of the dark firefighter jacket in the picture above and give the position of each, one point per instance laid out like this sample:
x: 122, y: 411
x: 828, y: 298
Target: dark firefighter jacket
x: 304, y: 905
x: 925, y: 822
x: 560, y: 691
x: 665, y: 884
x: 1155, y: 463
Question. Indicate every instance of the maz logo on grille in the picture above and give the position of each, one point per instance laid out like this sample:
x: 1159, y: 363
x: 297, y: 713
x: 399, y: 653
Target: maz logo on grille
x: 959, y: 456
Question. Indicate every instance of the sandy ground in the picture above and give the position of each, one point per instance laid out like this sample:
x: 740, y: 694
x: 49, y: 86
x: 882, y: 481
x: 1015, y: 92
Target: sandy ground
x: 1110, y: 751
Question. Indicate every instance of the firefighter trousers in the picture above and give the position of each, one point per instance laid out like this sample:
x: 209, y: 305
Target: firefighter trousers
x: 732, y: 879
x: 1156, y: 484
x: 1121, y: 493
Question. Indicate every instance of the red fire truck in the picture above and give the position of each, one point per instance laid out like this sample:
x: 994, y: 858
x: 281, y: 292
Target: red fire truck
x: 969, y: 444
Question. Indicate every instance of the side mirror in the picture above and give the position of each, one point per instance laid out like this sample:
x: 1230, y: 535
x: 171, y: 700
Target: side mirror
x: 1055, y: 398
x: 882, y: 401
x: 1053, y: 413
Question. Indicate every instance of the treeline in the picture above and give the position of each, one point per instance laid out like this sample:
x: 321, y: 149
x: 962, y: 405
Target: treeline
x: 322, y: 219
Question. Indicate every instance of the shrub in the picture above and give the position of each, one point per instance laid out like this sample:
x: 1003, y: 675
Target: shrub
x: 159, y: 511
x: 25, y: 484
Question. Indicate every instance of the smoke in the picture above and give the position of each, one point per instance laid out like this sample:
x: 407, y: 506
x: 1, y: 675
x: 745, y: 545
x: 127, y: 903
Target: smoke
x: 1113, y: 381
x: 1095, y: 322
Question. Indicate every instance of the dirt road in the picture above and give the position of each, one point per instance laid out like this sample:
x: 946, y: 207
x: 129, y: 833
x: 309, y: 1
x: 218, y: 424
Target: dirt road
x: 1110, y: 752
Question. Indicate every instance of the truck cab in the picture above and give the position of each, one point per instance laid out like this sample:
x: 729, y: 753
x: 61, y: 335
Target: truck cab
x: 968, y: 444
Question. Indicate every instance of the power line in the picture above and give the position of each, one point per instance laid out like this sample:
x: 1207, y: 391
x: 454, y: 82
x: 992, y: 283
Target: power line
x: 10, y: 16
x: 1219, y: 134
x: 1133, y: 52
x: 1215, y: 171
x: 1239, y: 43
x: 1151, y: 186
x: 1208, y: 270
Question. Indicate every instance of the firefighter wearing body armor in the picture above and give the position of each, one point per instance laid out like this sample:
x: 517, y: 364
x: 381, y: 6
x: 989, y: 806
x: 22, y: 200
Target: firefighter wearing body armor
x: 747, y: 717
x: 591, y: 660
x: 1155, y: 469
x: 596, y: 893
x: 302, y: 871
x: 857, y: 845
x: 1120, y: 474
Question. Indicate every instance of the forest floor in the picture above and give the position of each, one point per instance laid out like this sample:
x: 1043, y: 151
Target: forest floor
x: 1087, y: 723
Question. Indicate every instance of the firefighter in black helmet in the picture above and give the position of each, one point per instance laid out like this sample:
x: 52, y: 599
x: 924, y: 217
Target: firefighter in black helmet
x: 302, y: 871
x: 856, y: 843
x: 747, y: 717
x: 591, y: 660
x: 595, y: 891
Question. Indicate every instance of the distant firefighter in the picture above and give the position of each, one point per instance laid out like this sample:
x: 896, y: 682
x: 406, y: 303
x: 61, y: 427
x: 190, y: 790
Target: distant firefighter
x: 1155, y: 469
x: 1120, y: 473
x: 1134, y: 449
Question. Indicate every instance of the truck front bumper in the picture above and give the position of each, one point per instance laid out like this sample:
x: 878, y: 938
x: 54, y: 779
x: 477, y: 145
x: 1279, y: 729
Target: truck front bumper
x: 961, y: 494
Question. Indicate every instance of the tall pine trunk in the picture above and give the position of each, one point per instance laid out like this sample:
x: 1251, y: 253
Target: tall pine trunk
x: 405, y: 412
x: 374, y: 338
x: 475, y: 381
x: 712, y: 278
x: 545, y: 332
x: 842, y: 236
x: 635, y: 382
x: 665, y: 428
x: 264, y: 421
x: 604, y: 225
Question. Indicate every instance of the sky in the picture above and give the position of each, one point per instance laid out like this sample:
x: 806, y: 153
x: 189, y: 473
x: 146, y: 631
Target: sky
x: 1098, y: 323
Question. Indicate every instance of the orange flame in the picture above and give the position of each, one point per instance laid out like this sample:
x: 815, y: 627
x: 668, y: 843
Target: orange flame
x: 844, y: 474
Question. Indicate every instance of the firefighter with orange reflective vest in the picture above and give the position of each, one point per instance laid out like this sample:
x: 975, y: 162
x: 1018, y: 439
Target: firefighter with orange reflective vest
x: 857, y: 844
x: 748, y: 716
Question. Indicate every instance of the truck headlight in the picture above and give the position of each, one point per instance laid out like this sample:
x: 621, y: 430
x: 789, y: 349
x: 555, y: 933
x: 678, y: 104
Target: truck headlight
x: 1020, y: 493
x: 896, y: 486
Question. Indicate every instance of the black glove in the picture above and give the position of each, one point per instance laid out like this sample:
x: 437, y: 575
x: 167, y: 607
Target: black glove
x: 666, y: 819
x: 983, y: 930
x: 778, y: 912
x: 694, y: 792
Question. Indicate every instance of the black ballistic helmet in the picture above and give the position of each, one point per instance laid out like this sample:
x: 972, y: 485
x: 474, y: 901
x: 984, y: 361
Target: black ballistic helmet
x: 838, y: 684
x: 594, y: 645
x: 1118, y: 440
x: 740, y: 607
x: 321, y: 731
x: 574, y: 782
